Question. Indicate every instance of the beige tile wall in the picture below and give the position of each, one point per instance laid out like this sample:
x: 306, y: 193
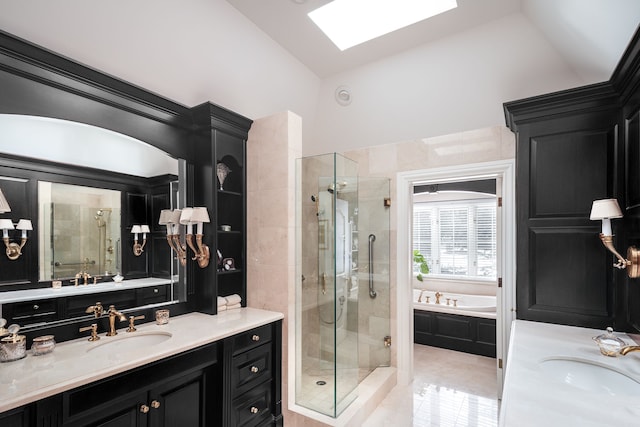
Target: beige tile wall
x: 274, y: 144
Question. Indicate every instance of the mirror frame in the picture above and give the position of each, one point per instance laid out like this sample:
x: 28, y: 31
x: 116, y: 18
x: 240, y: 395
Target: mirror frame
x: 35, y: 81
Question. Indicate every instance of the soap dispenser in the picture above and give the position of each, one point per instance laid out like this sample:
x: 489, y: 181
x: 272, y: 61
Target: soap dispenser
x: 14, y: 346
x: 609, y: 344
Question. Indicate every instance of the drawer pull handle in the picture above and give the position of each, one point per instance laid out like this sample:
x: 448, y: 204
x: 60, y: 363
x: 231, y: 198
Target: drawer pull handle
x: 254, y: 410
x: 256, y: 338
x: 254, y: 369
x: 144, y: 409
x: 155, y: 404
x: 155, y: 291
x: 36, y: 306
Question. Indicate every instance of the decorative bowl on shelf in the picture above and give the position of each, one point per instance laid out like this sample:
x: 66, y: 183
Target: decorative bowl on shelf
x: 118, y: 278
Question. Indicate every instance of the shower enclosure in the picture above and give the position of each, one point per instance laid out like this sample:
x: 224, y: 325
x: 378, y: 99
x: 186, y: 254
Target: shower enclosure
x: 342, y: 286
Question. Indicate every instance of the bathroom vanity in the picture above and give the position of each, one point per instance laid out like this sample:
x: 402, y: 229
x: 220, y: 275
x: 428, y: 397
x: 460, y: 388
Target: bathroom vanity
x: 556, y: 376
x: 198, y: 370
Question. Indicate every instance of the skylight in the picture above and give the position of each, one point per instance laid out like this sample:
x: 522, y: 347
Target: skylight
x: 351, y: 22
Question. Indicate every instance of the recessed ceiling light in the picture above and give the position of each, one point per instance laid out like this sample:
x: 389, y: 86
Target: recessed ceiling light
x: 351, y: 22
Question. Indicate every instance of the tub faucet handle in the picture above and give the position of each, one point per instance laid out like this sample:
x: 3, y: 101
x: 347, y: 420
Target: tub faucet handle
x: 448, y: 301
x: 455, y: 302
x: 428, y: 299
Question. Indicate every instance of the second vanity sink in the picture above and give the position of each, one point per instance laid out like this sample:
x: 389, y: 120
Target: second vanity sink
x: 589, y: 376
x: 130, y: 341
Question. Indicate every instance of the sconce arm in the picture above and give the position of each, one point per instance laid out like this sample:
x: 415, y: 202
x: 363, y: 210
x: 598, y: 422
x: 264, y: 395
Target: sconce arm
x: 174, y: 242
x: 14, y: 250
x: 607, y: 241
x: 203, y: 252
x: 192, y: 246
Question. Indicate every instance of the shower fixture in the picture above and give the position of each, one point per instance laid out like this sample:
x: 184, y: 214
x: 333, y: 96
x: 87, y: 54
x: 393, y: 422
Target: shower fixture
x: 341, y: 186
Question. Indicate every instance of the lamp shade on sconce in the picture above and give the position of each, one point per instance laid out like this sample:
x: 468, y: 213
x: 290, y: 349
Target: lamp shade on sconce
x: 605, y: 209
x: 136, y: 229
x: 165, y: 217
x: 144, y: 229
x: 24, y: 225
x: 4, y: 205
x: 199, y: 216
x: 185, y: 219
x: 5, y: 225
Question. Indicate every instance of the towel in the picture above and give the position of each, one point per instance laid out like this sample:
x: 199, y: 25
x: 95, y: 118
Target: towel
x: 233, y: 299
x: 234, y: 306
x: 222, y: 308
x: 222, y: 301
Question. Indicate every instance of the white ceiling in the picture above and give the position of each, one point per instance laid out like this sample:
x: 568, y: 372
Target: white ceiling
x: 592, y: 51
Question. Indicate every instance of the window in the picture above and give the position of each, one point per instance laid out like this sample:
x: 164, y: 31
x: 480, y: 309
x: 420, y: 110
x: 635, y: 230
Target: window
x: 457, y: 238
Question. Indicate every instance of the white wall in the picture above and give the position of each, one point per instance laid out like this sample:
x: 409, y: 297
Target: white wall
x: 190, y: 51
x: 456, y: 84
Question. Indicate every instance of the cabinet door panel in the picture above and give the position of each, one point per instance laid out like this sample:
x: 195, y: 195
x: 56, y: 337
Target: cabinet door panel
x: 178, y: 403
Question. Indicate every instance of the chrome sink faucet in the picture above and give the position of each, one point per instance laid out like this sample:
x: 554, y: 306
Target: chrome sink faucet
x: 113, y: 313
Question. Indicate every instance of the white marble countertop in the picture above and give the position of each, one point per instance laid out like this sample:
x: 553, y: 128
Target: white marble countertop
x: 70, y: 365
x: 532, y: 398
x: 70, y: 290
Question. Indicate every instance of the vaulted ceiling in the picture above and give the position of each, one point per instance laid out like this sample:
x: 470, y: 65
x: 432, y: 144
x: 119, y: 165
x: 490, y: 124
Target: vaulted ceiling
x: 448, y: 74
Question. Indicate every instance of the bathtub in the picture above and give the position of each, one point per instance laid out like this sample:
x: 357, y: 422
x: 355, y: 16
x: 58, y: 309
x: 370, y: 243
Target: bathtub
x: 466, y: 305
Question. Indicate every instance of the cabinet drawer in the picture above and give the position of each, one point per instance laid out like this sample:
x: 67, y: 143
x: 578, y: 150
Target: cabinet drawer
x: 250, y: 369
x: 251, y: 339
x: 253, y: 408
x: 26, y: 313
x: 152, y: 294
x: 77, y: 306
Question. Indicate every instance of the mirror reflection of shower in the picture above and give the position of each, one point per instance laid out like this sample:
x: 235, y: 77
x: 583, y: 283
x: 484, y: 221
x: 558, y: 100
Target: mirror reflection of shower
x: 105, y: 241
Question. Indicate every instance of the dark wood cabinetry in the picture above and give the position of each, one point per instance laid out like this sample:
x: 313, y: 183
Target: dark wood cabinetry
x: 574, y: 147
x: 232, y: 382
x: 222, y: 140
x: 251, y: 371
x: 475, y: 335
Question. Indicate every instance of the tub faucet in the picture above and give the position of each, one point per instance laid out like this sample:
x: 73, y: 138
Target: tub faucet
x: 420, y: 297
x: 438, y: 295
x: 113, y: 313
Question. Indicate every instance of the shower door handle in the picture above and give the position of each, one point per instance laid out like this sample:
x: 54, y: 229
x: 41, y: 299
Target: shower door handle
x: 372, y: 291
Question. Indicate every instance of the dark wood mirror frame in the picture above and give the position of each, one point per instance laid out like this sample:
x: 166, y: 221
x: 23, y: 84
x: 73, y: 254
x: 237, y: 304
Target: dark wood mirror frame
x: 38, y: 82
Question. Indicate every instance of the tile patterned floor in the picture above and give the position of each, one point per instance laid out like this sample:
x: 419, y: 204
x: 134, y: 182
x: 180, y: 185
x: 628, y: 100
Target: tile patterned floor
x: 450, y: 389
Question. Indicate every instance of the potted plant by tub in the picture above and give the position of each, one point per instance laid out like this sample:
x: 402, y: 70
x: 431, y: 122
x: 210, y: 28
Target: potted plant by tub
x: 419, y: 259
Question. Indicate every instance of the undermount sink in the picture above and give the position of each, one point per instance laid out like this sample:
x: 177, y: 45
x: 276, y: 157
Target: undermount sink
x: 589, y: 376
x: 128, y: 341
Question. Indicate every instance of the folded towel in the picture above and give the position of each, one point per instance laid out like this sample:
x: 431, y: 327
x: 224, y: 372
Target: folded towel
x: 233, y: 299
x: 222, y: 301
x: 234, y: 306
x: 222, y: 308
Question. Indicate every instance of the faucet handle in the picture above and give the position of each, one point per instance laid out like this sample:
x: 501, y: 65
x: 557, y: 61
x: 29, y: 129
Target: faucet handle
x: 132, y: 320
x: 96, y: 278
x: 96, y: 309
x: 94, y: 331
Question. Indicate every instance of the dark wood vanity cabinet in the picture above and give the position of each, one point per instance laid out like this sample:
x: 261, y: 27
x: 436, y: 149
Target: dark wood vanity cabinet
x: 180, y: 390
x: 232, y: 382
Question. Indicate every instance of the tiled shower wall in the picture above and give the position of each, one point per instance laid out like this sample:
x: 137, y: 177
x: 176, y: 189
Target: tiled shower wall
x: 274, y: 144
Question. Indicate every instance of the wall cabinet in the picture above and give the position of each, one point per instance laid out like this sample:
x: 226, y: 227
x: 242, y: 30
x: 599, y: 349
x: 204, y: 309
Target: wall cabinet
x: 233, y: 382
x: 573, y: 147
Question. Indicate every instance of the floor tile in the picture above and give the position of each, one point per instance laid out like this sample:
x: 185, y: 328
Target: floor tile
x: 450, y: 389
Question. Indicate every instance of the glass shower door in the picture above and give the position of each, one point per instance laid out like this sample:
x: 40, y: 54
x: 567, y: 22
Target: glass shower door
x: 373, y: 279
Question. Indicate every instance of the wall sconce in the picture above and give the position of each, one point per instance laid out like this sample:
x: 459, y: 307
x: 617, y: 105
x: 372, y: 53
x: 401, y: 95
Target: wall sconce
x: 605, y: 210
x: 14, y: 250
x: 172, y: 220
x: 135, y: 230
x: 196, y: 216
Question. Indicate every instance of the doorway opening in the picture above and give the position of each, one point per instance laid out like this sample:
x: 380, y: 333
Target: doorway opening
x: 503, y: 172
